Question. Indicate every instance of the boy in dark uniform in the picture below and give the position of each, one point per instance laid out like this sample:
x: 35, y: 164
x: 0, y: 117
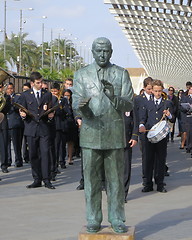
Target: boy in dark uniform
x: 149, y: 115
x: 60, y: 124
x: 15, y: 127
x: 139, y: 102
x: 38, y: 129
x: 187, y: 111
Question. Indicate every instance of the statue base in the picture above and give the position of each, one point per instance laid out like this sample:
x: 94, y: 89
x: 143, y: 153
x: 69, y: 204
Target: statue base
x: 106, y: 233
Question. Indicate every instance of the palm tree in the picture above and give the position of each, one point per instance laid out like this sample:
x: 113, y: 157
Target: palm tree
x: 30, y: 54
x: 59, y: 55
x: 2, y: 61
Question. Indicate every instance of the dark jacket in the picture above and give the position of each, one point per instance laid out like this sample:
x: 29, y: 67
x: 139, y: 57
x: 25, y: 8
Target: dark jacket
x: 13, y: 116
x: 131, y: 128
x: 5, y: 110
x: 150, y: 115
x: 36, y: 125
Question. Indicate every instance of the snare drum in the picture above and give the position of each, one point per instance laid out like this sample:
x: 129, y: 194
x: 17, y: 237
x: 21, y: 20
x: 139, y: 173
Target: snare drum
x: 158, y: 132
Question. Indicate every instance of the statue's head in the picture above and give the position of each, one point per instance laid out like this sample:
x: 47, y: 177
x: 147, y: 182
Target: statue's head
x: 102, y: 51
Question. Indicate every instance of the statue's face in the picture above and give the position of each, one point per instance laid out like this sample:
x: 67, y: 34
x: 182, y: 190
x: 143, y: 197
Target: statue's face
x: 102, y: 54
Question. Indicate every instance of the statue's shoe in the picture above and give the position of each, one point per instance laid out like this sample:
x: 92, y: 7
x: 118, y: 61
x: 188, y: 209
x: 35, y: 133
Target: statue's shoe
x: 118, y: 226
x: 93, y: 227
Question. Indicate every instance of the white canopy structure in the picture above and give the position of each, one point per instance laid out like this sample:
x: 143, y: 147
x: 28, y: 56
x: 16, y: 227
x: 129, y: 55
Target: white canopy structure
x: 160, y: 32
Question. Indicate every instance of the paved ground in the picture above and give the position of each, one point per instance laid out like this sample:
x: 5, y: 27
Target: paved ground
x: 43, y: 214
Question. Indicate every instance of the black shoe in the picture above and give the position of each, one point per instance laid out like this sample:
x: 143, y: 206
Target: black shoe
x: 164, y: 184
x: 161, y: 189
x: 34, y: 185
x: 18, y: 165
x: 147, y: 189
x: 5, y: 170
x: 57, y: 171
x: 181, y: 147
x: 70, y: 163
x: 119, y: 226
x: 49, y: 185
x: 63, y: 166
x: 80, y: 187
x: 125, y: 201
x: 53, y: 177
x: 93, y: 227
x: 166, y: 174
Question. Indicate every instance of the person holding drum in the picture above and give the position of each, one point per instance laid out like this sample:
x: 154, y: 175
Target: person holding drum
x: 152, y: 113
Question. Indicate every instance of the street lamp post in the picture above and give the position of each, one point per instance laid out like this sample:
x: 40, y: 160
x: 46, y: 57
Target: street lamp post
x: 5, y: 26
x: 42, y: 50
x: 20, y: 42
x: 58, y: 66
x: 51, y: 50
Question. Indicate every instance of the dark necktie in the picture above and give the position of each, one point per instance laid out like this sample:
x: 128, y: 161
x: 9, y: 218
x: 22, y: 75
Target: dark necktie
x: 156, y: 103
x: 150, y: 98
x: 38, y: 98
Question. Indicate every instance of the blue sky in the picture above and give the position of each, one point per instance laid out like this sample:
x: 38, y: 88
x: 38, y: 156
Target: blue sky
x: 85, y: 20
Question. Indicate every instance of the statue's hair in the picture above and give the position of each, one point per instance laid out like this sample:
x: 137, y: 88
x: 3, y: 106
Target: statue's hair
x: 101, y: 40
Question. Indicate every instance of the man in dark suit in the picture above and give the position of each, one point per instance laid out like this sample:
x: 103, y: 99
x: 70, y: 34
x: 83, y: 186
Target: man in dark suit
x: 60, y: 125
x: 102, y: 92
x: 187, y: 111
x: 156, y: 153
x: 131, y: 133
x: 14, y: 126
x: 37, y: 129
x: 174, y: 99
x: 4, y: 132
x: 139, y: 103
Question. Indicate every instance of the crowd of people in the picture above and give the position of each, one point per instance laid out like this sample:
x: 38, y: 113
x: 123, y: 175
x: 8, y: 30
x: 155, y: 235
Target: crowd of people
x: 46, y: 141
x: 151, y: 106
x: 49, y: 141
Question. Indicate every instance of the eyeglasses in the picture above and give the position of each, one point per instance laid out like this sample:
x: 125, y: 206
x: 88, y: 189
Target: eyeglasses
x: 171, y: 90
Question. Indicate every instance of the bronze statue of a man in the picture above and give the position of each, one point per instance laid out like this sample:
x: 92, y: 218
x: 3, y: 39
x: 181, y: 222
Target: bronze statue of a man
x: 102, y: 92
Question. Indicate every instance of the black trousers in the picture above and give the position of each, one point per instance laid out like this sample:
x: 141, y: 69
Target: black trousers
x: 15, y: 135
x: 189, y: 133
x: 127, y: 170
x: 60, y: 147
x: 156, y: 158
x: 143, y: 140
x: 4, y: 148
x: 39, y: 156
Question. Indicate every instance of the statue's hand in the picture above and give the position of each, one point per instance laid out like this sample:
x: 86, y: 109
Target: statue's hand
x: 108, y: 89
x: 84, y: 102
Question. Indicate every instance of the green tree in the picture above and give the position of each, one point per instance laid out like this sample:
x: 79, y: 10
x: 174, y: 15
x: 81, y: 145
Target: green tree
x: 30, y: 55
x: 2, y: 61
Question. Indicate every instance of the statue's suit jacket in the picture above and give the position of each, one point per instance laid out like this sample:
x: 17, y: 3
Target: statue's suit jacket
x: 103, y: 121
